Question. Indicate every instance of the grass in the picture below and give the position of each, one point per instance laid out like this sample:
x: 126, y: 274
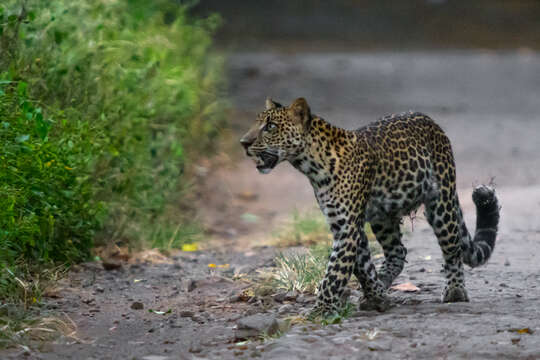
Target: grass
x: 22, y: 319
x: 304, y: 229
x: 310, y: 228
x: 22, y: 328
x: 300, y: 270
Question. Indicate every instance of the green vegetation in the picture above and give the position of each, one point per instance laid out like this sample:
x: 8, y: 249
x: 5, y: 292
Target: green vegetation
x: 103, y: 104
x: 310, y: 228
x: 306, y: 229
x: 302, y: 271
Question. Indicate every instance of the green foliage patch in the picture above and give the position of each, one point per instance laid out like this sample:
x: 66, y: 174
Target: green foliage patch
x: 103, y: 104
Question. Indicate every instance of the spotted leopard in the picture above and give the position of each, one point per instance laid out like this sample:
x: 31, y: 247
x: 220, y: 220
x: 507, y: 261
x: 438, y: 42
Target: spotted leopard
x: 378, y: 173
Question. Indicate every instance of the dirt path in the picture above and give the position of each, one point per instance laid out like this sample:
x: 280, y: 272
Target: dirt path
x: 502, y: 321
x: 493, y: 125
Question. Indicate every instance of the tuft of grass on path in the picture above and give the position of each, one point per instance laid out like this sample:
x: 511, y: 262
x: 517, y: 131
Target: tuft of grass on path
x: 22, y: 320
x: 302, y: 271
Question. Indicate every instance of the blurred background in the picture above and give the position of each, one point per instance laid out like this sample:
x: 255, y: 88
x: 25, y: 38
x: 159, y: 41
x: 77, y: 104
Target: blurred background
x: 471, y: 66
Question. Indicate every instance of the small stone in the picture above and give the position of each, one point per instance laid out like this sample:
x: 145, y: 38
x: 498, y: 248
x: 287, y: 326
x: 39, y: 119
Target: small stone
x: 235, y: 298
x: 110, y: 264
x: 137, y: 305
x: 256, y: 325
x: 311, y: 339
x: 195, y: 347
x: 306, y: 299
x: 506, y: 262
x: 89, y: 301
x: 186, y: 313
x: 197, y: 319
x: 234, y: 317
x: 155, y: 357
x: 503, y: 285
x: 284, y: 309
x: 99, y: 289
x: 189, y: 285
x: 291, y: 296
x: 279, y: 297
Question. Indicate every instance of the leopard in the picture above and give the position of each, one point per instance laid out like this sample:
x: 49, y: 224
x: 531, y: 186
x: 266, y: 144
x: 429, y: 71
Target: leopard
x: 378, y: 173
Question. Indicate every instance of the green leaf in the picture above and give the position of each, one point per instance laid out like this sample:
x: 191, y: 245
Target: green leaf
x: 21, y: 88
x: 22, y: 138
x: 42, y: 126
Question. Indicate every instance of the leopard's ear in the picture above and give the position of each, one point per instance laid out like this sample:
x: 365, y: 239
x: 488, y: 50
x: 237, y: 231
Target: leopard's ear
x: 271, y: 104
x: 301, y: 112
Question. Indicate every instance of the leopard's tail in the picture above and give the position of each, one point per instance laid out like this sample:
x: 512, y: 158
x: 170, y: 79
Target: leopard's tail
x: 477, y: 251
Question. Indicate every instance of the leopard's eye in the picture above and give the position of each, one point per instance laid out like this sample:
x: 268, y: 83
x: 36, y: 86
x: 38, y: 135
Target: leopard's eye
x: 269, y: 126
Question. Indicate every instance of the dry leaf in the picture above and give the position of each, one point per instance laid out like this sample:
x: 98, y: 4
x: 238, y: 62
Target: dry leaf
x: 247, y: 196
x: 406, y: 287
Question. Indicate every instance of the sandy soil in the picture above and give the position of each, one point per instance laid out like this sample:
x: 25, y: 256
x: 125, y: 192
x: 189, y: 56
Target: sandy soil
x: 487, y: 103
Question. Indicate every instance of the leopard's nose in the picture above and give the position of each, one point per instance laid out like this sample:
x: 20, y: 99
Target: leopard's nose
x: 246, y: 143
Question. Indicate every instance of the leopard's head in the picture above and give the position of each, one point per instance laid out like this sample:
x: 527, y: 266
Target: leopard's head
x: 278, y: 134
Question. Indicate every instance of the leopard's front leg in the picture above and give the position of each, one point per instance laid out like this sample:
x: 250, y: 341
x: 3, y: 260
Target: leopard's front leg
x: 339, y: 269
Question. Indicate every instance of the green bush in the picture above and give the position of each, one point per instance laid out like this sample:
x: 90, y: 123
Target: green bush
x: 102, y: 106
x: 46, y: 207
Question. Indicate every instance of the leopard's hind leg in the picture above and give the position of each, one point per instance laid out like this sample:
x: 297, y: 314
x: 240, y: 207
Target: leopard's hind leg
x: 374, y: 289
x: 388, y: 234
x: 443, y: 215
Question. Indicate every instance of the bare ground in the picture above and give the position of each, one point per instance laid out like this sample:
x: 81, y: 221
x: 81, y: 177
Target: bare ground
x: 487, y: 104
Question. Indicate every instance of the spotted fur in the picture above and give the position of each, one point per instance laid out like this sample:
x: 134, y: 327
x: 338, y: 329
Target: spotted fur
x: 378, y: 173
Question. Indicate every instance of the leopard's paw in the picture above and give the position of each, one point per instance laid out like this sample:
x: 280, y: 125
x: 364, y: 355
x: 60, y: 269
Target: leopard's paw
x: 320, y: 311
x: 379, y: 303
x: 455, y: 294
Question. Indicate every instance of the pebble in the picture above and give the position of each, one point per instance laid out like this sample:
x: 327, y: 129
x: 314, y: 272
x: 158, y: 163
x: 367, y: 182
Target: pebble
x: 186, y: 313
x: 291, y: 296
x: 137, y: 305
x: 189, y: 285
x: 284, y: 309
x: 195, y: 347
x: 305, y: 299
x: 280, y: 297
x: 255, y: 325
x: 110, y: 264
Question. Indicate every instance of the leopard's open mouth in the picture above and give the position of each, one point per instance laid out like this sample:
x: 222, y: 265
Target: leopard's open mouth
x: 269, y: 162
